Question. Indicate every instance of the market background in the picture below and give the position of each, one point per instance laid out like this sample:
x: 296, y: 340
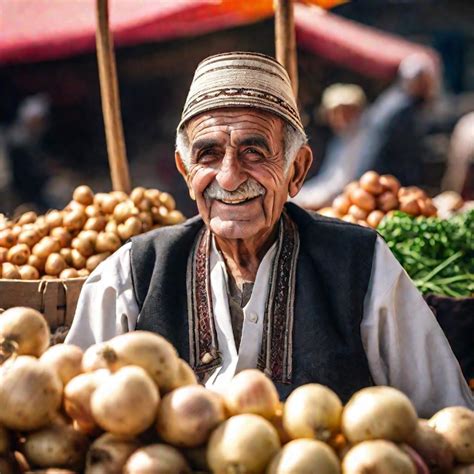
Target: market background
x: 154, y: 77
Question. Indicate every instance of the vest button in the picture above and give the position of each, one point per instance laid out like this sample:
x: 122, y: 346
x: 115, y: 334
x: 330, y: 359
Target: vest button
x: 253, y: 317
x: 206, y: 358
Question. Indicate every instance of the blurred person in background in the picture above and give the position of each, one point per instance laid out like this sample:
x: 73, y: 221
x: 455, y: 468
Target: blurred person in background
x: 459, y: 175
x: 393, y: 131
x: 25, y: 152
x: 343, y: 106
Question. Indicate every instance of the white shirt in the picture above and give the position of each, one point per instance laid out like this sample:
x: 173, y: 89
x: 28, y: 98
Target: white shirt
x: 405, y: 346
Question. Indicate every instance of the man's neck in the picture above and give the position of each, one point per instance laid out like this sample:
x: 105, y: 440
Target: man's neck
x: 243, y: 257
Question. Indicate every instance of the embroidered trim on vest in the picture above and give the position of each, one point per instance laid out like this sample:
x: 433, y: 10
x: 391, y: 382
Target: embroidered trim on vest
x: 276, y: 354
x: 202, y: 331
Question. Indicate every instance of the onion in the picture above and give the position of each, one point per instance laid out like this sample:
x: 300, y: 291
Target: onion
x: 27, y: 218
x: 30, y: 394
x: 7, y: 238
x: 250, y: 391
x: 144, y: 205
x: 132, y: 226
x: 433, y: 447
x: 78, y: 260
x: 83, y: 272
x: 18, y: 254
x: 108, y: 204
x: 29, y: 237
x: 3, y: 255
x: 154, y: 196
x: 374, y: 218
x: 46, y: 246
x: 27, y: 329
x: 137, y: 195
x: 387, y: 201
x: 312, y: 411
x: 174, y: 217
x: 28, y: 272
x: 341, y: 204
x: 124, y: 210
x: 94, y: 261
x: 379, y: 412
x: 83, y: 245
x: 69, y: 273
x: 37, y: 262
x: 93, y: 210
x: 10, y: 272
x: 126, y: 403
x: 456, y: 424
x: 329, y: 212
x: 358, y: 213
x: 107, y: 242
x: 77, y: 398
x: 83, y: 195
x: 187, y: 415
x: 54, y: 219
x: 108, y: 454
x: 184, y: 375
x: 4, y: 442
x: 409, y: 205
x: 150, y: 351
x: 168, y: 201
x: 96, y: 223
x: 65, y: 360
x: 390, y: 183
x: 427, y: 208
x: 54, y: 265
x: 111, y: 227
x: 413, y: 192
x: 305, y: 456
x: 62, y: 236
x: 147, y: 220
x: 56, y: 446
x: 416, y: 459
x: 94, y: 357
x: 157, y: 459
x: 370, y: 182
x: 243, y: 443
x: 74, y: 220
x: 377, y: 457
x: 362, y: 199
x: 67, y: 255
x: 350, y: 219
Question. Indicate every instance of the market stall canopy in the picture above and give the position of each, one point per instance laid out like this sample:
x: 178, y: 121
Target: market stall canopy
x: 366, y: 50
x: 38, y: 30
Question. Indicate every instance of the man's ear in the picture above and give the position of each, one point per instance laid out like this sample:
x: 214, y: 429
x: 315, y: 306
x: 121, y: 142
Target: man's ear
x: 183, y: 172
x: 300, y: 168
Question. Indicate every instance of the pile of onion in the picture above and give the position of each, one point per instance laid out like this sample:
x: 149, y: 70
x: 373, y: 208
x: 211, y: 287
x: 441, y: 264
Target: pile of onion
x: 72, y: 242
x: 367, y: 201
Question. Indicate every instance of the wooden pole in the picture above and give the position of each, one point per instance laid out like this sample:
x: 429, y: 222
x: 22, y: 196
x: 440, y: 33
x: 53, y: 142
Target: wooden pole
x: 285, y: 41
x: 111, y: 101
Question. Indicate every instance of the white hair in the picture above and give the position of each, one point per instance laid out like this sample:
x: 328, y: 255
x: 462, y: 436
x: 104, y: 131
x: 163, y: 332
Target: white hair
x: 293, y: 140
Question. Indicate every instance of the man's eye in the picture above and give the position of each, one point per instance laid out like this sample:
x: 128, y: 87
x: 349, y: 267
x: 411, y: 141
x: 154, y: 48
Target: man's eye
x: 207, y: 155
x: 253, y: 152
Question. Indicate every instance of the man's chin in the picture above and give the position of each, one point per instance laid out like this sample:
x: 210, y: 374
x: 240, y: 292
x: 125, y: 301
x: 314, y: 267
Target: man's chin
x: 232, y: 229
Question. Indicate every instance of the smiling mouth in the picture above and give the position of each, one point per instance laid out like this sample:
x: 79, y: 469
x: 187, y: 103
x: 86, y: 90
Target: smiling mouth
x: 237, y: 202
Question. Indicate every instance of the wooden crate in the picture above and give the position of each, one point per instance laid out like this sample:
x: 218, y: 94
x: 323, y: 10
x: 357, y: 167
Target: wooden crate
x: 55, y: 299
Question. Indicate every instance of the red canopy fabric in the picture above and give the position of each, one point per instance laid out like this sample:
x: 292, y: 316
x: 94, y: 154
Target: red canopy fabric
x: 37, y: 30
x: 360, y: 48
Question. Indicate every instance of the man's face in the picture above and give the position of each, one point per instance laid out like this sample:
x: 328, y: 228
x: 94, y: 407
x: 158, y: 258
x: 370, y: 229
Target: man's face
x: 237, y: 171
x: 340, y: 118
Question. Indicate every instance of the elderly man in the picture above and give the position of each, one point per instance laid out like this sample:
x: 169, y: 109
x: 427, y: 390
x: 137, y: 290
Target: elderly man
x: 256, y: 282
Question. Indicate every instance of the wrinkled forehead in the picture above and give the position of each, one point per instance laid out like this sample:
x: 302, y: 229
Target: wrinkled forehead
x: 235, y: 122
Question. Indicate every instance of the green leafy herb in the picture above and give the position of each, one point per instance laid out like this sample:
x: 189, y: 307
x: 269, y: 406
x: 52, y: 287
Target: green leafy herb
x: 437, y: 254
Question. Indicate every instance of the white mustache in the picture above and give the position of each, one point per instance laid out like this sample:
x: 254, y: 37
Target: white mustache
x: 247, y: 190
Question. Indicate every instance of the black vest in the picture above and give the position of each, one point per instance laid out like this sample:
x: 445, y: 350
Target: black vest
x: 333, y: 273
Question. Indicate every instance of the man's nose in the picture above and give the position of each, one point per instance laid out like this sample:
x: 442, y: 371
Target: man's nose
x: 230, y: 175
